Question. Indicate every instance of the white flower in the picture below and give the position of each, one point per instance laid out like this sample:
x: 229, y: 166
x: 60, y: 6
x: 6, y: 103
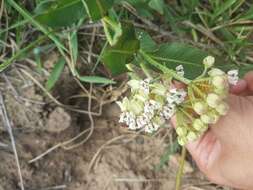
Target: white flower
x: 168, y: 111
x: 176, y: 96
x: 233, y: 76
x: 150, y: 107
x: 144, y: 85
x: 180, y: 70
x: 141, y: 121
x: 150, y: 128
x: 129, y: 119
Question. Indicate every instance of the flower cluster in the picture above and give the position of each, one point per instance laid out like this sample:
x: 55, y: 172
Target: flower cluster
x: 207, y: 104
x: 151, y: 104
x: 201, y: 103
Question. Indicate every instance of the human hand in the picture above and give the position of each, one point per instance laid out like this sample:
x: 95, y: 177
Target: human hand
x: 225, y: 152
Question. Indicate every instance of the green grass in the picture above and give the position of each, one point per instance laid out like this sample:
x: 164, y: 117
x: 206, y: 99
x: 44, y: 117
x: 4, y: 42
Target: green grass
x: 221, y: 28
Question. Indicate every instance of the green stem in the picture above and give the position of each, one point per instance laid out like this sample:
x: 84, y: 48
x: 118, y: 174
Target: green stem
x: 180, y: 169
x: 164, y: 69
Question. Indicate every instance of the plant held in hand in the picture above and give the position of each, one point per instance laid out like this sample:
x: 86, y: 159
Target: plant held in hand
x: 153, y: 101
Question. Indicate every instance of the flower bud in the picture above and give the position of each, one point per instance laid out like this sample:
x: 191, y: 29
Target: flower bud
x: 207, y: 119
x: 222, y: 108
x: 209, y: 61
x: 198, y: 124
x: 136, y: 107
x: 124, y: 105
x: 215, y: 72
x: 200, y: 107
x: 134, y: 84
x: 204, y: 128
x: 158, y: 89
x: 159, y: 120
x: 181, y: 131
x: 219, y: 82
x: 181, y: 140
x: 213, y: 100
x: 223, y: 93
x: 191, y: 136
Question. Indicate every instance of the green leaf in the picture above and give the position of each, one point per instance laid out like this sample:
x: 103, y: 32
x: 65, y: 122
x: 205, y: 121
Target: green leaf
x: 147, y: 44
x: 157, y: 5
x: 56, y: 73
x: 174, y: 54
x: 73, y: 43
x: 97, y: 9
x: 112, y: 29
x: 60, y: 13
x: 117, y: 56
x: 96, y: 80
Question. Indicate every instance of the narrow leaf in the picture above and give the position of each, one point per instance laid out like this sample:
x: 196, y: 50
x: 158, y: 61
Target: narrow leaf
x: 56, y: 73
x: 96, y: 80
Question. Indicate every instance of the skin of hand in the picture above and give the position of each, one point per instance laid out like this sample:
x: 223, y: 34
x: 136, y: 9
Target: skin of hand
x: 225, y: 152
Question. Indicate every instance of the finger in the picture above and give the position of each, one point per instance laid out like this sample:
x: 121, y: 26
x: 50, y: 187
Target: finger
x: 249, y: 80
x: 195, y: 147
x: 206, y: 151
x: 239, y: 88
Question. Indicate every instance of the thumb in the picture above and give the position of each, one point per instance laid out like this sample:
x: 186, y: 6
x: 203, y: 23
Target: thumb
x: 205, y: 151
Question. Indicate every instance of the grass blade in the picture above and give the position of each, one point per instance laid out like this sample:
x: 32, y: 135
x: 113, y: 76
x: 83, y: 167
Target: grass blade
x: 56, y: 73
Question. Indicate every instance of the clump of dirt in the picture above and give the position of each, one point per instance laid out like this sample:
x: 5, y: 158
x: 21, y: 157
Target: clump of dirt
x: 58, y: 120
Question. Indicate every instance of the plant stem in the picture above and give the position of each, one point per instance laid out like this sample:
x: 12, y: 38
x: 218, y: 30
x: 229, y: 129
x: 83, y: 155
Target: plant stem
x: 180, y: 169
x: 164, y: 69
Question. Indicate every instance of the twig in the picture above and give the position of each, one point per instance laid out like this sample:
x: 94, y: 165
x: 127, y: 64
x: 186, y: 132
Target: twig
x: 58, y: 187
x: 91, y: 44
x: 9, y: 129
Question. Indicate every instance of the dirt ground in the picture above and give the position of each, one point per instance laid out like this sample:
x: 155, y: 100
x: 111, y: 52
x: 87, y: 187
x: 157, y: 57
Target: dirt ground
x: 112, y: 158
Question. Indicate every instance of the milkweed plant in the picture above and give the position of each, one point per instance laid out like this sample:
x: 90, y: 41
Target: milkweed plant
x: 155, y: 100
